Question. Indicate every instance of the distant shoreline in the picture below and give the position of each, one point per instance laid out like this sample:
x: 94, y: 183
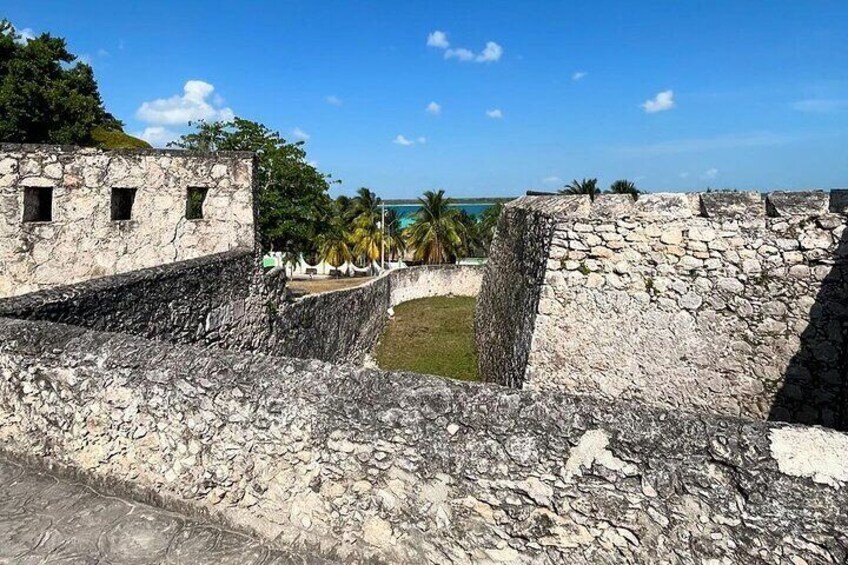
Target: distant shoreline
x: 483, y: 200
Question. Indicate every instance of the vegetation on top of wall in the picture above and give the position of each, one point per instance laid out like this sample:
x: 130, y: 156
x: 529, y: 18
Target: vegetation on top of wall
x: 114, y: 139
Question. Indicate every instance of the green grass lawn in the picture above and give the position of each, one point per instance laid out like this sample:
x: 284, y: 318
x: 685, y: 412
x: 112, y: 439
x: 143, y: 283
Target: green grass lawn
x: 431, y: 335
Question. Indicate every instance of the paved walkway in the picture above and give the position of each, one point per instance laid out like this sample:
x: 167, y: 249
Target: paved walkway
x: 53, y: 521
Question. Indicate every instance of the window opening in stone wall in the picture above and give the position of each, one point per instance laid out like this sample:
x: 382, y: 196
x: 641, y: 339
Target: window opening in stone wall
x: 194, y: 203
x: 38, y: 204
x: 122, y: 203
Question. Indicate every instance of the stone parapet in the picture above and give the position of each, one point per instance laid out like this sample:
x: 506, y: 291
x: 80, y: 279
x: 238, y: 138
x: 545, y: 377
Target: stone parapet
x: 367, y: 466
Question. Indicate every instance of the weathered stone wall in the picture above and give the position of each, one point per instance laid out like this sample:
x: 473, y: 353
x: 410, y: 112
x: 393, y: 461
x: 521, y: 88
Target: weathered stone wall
x: 216, y: 300
x: 344, y: 325
x: 223, y: 300
x: 82, y: 242
x: 726, y: 303
x: 398, y: 468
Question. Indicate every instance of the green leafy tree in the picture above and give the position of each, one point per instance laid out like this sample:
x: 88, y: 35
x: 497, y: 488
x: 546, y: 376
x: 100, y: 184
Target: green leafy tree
x: 585, y: 186
x: 46, y: 94
x: 367, y: 235
x: 624, y: 186
x: 488, y: 223
x: 294, y: 207
x: 334, y: 244
x: 435, y: 236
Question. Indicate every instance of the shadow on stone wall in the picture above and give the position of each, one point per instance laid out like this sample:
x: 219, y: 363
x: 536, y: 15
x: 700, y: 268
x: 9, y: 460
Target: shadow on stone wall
x: 814, y: 385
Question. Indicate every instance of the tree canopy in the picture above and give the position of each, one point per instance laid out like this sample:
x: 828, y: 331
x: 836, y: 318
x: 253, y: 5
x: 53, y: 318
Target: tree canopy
x: 46, y: 94
x: 294, y: 206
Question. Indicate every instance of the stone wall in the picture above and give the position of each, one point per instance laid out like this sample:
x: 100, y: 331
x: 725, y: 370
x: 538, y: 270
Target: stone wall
x: 729, y: 303
x: 224, y: 301
x: 82, y: 241
x: 366, y: 466
x: 344, y: 325
x: 216, y: 300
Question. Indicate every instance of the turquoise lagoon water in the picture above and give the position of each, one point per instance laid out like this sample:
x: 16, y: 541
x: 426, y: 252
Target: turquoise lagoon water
x: 407, y: 211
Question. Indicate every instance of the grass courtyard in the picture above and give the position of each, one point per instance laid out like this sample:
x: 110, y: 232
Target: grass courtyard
x: 431, y: 335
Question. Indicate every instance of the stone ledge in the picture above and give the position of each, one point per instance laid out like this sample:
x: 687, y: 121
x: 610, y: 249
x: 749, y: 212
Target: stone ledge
x: 41, y: 148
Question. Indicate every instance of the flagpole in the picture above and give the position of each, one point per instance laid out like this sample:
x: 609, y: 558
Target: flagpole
x: 383, y: 238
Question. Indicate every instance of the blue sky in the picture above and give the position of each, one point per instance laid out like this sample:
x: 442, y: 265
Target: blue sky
x: 677, y: 95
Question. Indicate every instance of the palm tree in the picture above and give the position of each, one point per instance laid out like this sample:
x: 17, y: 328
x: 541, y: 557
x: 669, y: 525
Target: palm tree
x: 435, y: 235
x: 624, y: 186
x: 488, y: 223
x: 333, y: 246
x: 393, y: 232
x: 367, y: 204
x: 585, y: 186
x: 366, y: 239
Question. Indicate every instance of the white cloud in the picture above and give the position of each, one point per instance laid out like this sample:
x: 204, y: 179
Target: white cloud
x: 462, y: 54
x: 661, y: 102
x: 491, y: 53
x: 192, y: 105
x: 495, y: 114
x: 26, y: 34
x: 579, y: 75
x: 552, y: 180
x: 438, y: 39
x: 298, y: 133
x: 434, y: 108
x: 333, y: 100
x: 157, y: 136
x: 710, y: 174
x: 422, y: 140
x: 820, y: 105
x: 401, y: 140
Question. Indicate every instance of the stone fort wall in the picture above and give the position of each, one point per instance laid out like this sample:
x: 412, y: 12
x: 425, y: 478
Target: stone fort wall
x: 729, y: 303
x: 58, y: 207
x: 368, y: 466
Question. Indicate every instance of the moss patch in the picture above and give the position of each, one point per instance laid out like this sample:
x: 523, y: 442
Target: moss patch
x: 431, y: 335
x: 111, y: 139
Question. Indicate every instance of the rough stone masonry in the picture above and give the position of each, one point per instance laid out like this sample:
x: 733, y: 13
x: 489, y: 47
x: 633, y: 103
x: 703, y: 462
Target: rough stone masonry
x: 728, y: 303
x: 69, y: 214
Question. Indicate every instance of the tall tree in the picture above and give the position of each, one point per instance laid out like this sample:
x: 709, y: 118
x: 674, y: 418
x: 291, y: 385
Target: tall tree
x: 585, y: 186
x: 624, y: 186
x: 294, y: 207
x: 394, y: 235
x: 435, y: 235
x: 46, y: 94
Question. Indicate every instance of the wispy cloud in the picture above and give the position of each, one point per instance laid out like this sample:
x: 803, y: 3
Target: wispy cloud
x: 495, y: 114
x: 491, y: 53
x: 710, y: 174
x: 157, y: 136
x: 422, y: 140
x: 684, y: 175
x: 821, y: 105
x: 434, y: 108
x: 659, y: 103
x: 401, y: 140
x: 192, y: 105
x: 552, y: 180
x: 579, y: 75
x: 696, y: 145
x: 333, y: 100
x: 102, y: 53
x: 298, y: 133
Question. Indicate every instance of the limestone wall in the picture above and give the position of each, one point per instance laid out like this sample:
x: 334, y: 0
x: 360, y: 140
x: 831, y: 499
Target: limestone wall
x: 223, y: 300
x: 366, y: 466
x: 216, y: 300
x: 83, y: 242
x: 726, y: 302
x: 344, y: 325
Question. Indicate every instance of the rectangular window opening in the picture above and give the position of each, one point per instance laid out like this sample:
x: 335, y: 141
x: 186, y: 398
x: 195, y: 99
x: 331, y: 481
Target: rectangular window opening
x: 194, y: 203
x: 122, y: 203
x: 38, y: 204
